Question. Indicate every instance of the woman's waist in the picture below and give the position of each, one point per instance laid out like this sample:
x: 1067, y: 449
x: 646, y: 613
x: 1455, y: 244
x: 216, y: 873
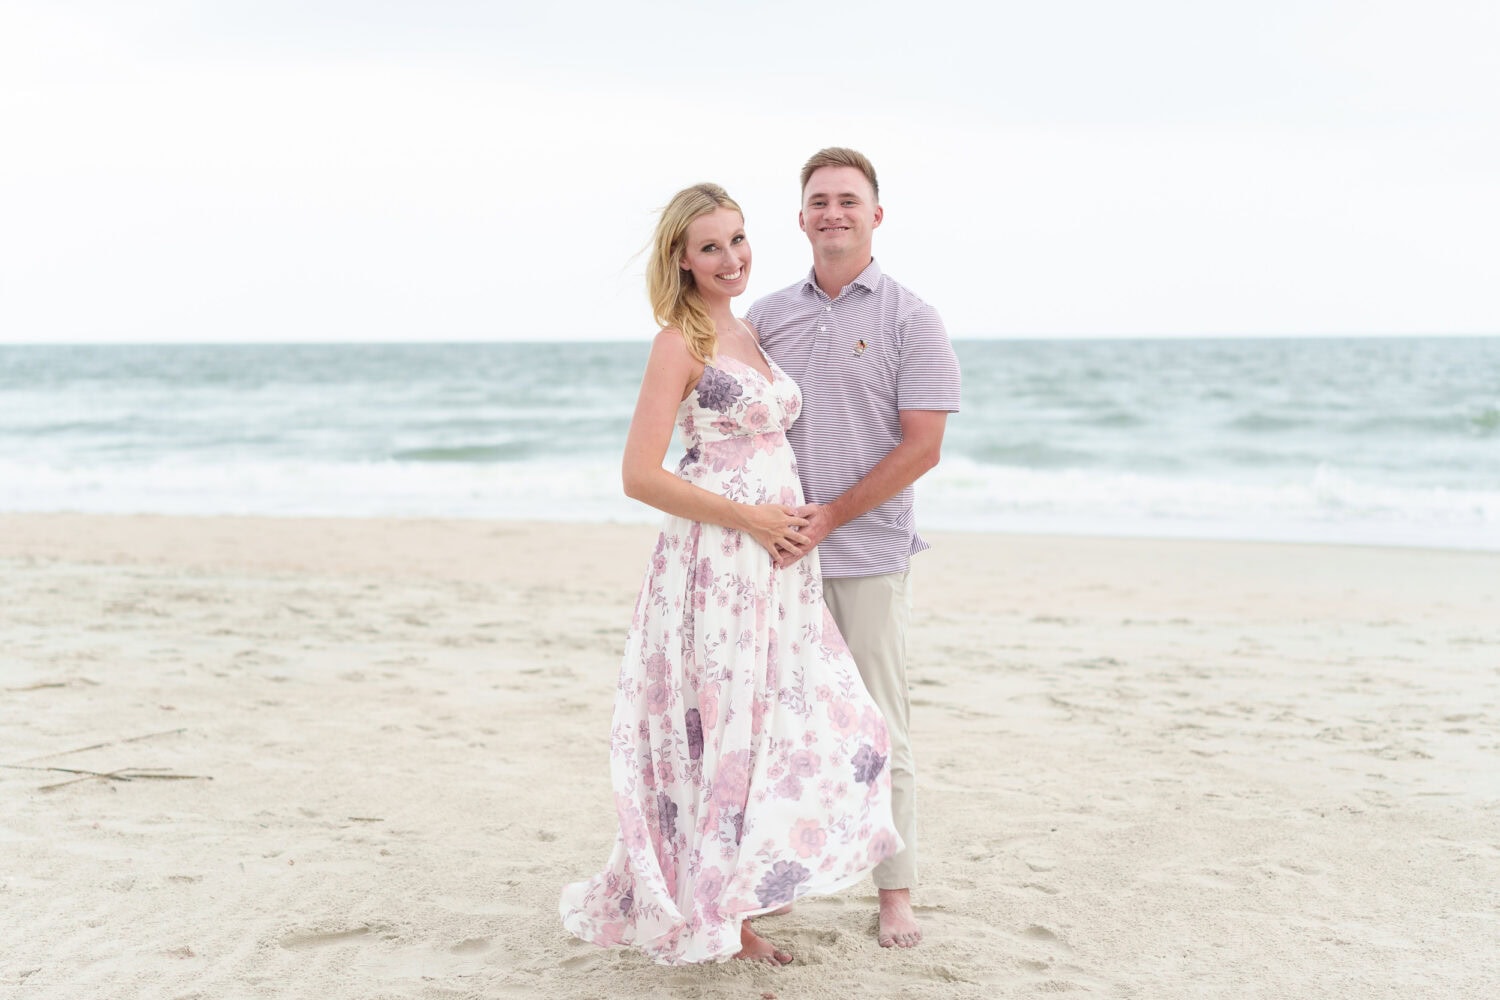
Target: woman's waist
x: 768, y: 448
x: 762, y: 481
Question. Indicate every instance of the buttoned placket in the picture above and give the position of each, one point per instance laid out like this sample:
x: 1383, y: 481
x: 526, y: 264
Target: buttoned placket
x: 821, y: 338
x: 828, y: 328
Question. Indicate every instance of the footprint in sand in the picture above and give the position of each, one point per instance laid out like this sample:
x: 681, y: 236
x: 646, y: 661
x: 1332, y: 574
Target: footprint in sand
x: 471, y: 946
x: 305, y: 942
x: 580, y: 963
x: 981, y: 955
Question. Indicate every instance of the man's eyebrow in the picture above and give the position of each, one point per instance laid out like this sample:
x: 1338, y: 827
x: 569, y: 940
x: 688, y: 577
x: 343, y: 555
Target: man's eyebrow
x: 842, y: 194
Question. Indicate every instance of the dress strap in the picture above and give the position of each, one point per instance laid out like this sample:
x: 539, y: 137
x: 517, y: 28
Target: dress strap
x: 756, y: 341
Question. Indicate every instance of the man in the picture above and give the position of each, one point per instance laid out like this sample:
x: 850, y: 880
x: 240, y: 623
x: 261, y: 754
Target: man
x: 878, y: 378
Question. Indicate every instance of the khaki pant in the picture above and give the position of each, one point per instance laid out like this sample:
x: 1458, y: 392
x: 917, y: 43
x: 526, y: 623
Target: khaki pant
x: 873, y: 613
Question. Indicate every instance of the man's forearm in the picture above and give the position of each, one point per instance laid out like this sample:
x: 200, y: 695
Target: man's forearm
x: 921, y: 446
x: 902, y: 466
x: 919, y: 450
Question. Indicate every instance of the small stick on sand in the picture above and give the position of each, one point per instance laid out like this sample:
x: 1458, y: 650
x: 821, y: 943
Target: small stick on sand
x: 123, y: 774
x: 111, y: 743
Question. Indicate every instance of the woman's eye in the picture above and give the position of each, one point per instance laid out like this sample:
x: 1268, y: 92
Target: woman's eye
x: 739, y: 239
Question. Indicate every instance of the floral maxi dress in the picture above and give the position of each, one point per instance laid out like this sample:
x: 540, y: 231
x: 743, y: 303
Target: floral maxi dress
x: 748, y: 761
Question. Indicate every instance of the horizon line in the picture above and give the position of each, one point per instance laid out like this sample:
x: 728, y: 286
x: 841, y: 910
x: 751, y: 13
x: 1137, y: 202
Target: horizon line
x: 992, y: 338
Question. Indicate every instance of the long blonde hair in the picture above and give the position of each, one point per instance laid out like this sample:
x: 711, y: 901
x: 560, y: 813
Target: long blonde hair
x: 674, y: 295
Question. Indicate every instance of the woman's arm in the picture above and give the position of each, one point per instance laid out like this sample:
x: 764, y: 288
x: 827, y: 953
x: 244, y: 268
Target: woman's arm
x: 671, y: 373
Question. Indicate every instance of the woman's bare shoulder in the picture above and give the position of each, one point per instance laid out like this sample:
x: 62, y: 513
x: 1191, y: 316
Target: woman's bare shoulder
x: 669, y: 339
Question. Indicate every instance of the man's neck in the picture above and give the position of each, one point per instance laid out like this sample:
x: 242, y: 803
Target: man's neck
x: 834, y: 275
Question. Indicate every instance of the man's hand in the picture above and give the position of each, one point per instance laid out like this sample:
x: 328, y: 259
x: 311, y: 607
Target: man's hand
x: 819, y: 526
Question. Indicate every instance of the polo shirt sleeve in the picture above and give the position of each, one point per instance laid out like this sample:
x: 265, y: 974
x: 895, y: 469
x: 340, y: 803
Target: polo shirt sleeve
x: 928, y: 378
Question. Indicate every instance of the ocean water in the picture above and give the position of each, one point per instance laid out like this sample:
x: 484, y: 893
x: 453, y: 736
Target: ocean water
x: 1386, y: 441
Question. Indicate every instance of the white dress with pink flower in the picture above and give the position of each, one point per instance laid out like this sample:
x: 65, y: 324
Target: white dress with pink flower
x: 748, y: 761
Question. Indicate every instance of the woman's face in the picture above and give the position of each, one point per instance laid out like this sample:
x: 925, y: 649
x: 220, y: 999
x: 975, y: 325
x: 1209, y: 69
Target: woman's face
x: 717, y: 254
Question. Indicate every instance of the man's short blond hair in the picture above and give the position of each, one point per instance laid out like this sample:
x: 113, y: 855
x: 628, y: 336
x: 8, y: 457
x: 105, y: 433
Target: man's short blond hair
x: 839, y: 156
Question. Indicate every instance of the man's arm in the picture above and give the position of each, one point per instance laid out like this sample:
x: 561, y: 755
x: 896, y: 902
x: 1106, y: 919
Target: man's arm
x: 921, y: 446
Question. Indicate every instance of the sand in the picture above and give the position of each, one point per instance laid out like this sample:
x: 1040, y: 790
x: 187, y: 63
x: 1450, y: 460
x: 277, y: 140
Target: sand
x: 367, y: 754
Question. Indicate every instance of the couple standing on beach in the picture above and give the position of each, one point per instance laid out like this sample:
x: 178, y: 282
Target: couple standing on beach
x: 759, y: 748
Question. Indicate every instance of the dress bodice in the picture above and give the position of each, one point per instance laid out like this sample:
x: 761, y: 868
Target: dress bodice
x: 734, y: 425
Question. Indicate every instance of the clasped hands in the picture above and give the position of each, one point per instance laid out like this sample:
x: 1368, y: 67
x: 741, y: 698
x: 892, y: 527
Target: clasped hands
x: 789, y: 533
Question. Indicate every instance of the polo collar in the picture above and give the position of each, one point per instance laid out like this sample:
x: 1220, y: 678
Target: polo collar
x: 866, y: 279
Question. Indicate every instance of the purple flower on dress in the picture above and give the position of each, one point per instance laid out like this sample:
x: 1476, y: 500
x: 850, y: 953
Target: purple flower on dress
x: 627, y: 901
x: 666, y: 816
x: 689, y: 457
x: 867, y: 764
x: 717, y: 390
x: 732, y: 824
x: 780, y: 883
x: 694, y: 734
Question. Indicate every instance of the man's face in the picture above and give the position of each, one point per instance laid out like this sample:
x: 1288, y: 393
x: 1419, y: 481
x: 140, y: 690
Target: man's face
x: 839, y: 213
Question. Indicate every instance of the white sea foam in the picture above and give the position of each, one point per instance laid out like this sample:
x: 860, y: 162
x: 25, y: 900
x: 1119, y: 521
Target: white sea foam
x: 1325, y: 505
x: 576, y: 491
x: 960, y: 494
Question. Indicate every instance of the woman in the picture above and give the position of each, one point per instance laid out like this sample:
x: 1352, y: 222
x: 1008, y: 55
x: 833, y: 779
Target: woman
x: 748, y: 762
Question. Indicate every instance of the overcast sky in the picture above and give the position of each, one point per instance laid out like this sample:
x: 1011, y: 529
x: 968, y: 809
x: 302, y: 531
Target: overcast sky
x: 446, y: 170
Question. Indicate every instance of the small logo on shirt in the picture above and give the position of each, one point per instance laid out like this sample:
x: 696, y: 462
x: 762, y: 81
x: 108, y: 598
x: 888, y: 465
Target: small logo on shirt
x: 859, y: 347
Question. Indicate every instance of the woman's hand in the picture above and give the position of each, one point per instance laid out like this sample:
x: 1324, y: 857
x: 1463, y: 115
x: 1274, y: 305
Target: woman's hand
x: 776, y: 528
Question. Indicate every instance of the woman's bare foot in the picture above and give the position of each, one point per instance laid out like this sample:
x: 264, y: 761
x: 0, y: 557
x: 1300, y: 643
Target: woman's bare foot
x: 898, y: 924
x: 755, y: 948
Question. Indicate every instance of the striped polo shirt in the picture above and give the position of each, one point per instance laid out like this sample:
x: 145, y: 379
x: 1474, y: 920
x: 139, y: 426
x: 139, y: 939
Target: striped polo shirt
x: 859, y: 359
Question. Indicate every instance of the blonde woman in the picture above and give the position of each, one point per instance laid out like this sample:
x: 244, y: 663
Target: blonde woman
x: 749, y: 764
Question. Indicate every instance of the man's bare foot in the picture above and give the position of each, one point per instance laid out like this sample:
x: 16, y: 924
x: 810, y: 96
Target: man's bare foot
x: 898, y: 924
x: 755, y: 948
